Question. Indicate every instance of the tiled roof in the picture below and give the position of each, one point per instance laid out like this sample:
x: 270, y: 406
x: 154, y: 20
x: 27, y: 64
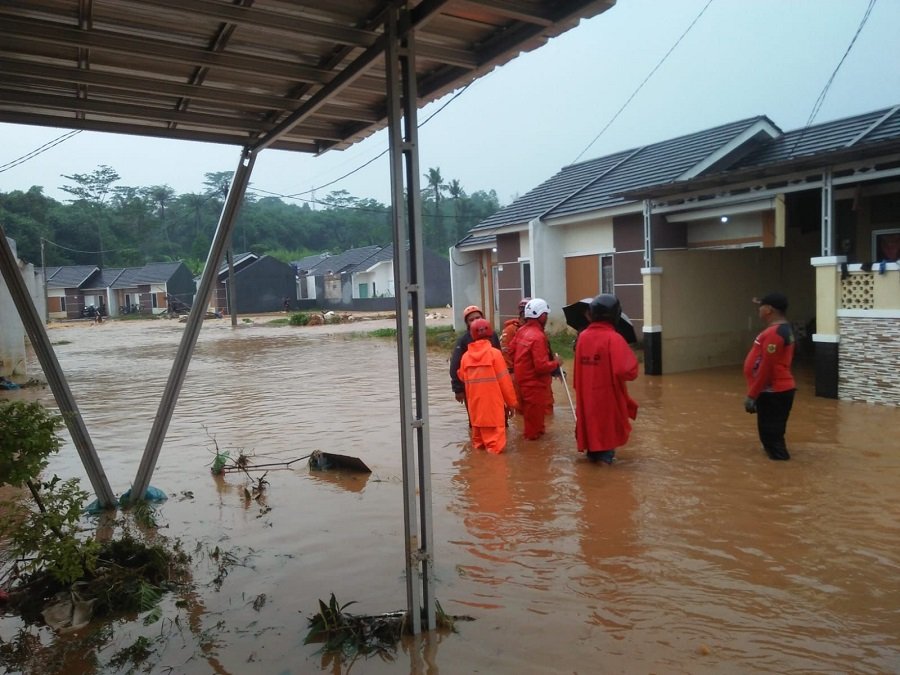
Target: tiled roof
x: 653, y: 164
x: 305, y: 264
x: 819, y: 139
x: 386, y: 253
x: 104, y: 278
x: 155, y: 273
x: 341, y: 262
x: 69, y: 276
x: 598, y: 183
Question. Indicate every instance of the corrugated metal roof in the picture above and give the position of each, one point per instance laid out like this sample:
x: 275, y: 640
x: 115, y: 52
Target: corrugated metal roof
x: 293, y: 75
x: 820, y: 139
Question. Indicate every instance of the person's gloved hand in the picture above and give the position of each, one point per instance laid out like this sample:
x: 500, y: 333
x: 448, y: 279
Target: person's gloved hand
x: 460, y: 396
x: 750, y: 405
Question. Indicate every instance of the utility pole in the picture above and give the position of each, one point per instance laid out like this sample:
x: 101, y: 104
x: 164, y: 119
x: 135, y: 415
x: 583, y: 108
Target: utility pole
x: 44, y: 275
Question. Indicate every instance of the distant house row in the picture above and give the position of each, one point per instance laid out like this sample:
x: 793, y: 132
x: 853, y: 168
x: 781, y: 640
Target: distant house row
x: 359, y: 278
x: 363, y: 279
x: 152, y: 289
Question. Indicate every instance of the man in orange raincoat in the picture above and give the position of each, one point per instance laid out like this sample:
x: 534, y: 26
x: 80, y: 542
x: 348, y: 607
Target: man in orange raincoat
x: 534, y: 366
x: 490, y: 395
x: 603, y: 364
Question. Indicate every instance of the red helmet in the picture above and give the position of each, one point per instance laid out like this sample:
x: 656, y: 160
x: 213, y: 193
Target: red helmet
x: 480, y: 329
x: 471, y: 308
x: 522, y: 303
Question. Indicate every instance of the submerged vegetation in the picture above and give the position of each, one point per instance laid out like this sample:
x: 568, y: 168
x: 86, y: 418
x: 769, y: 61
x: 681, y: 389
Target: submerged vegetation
x: 53, y: 570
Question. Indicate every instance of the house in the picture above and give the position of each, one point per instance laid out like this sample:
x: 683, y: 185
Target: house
x: 362, y: 279
x: 261, y: 284
x: 152, y: 288
x: 12, y: 331
x: 686, y: 231
x: 65, y: 297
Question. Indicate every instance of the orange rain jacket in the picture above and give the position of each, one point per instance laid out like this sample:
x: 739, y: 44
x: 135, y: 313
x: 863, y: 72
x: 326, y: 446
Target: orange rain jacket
x: 510, y: 326
x: 488, y: 385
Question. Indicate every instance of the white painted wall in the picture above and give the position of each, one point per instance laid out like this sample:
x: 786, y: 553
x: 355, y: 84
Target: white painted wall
x: 548, y: 270
x: 465, y: 282
x: 382, y: 275
x: 588, y: 238
x: 12, y: 332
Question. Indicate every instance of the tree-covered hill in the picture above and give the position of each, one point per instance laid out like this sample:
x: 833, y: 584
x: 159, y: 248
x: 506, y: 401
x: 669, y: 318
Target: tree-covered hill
x: 112, y: 225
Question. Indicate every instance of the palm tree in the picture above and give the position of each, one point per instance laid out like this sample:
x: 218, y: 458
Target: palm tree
x: 162, y: 196
x: 456, y: 192
x: 436, y: 182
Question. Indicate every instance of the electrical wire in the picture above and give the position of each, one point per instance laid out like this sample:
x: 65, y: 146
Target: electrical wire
x: 817, y: 106
x: 75, y: 250
x: 646, y: 79
x: 385, y: 151
x: 37, y: 151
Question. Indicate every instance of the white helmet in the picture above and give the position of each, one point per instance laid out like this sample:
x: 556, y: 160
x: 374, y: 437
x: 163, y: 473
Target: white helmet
x: 535, y: 308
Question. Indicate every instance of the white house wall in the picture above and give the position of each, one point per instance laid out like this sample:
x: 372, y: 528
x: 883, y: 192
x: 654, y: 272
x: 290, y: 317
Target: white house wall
x: 548, y: 270
x: 465, y: 282
x: 588, y: 238
x: 382, y: 276
x: 12, y: 331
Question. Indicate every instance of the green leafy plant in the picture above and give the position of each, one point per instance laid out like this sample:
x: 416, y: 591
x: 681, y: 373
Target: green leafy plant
x: 299, y: 319
x: 48, y: 538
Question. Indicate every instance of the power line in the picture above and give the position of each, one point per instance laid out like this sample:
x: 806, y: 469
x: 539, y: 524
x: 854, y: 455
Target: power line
x: 37, y: 151
x: 75, y: 250
x: 824, y: 93
x: 385, y: 151
x: 641, y: 85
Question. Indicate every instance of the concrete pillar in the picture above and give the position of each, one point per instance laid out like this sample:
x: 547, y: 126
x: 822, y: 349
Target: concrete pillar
x: 652, y: 320
x: 827, y: 335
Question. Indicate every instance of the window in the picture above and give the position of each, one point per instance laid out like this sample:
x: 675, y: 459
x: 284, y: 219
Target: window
x: 153, y: 302
x: 62, y: 303
x: 526, y: 278
x: 607, y: 280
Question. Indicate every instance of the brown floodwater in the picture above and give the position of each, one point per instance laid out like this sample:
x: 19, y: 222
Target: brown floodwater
x: 694, y: 553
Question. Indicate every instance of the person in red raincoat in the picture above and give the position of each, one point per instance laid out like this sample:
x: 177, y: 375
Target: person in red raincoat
x: 490, y: 395
x: 603, y: 364
x: 508, y: 333
x: 533, y: 367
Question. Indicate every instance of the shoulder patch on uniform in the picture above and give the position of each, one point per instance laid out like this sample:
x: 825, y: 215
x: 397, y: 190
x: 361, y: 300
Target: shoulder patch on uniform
x: 785, y: 332
x: 771, y: 348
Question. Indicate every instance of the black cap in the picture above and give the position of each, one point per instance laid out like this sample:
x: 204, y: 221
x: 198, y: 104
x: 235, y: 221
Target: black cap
x: 775, y: 300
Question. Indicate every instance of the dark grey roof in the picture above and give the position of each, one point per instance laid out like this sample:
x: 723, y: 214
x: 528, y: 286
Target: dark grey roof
x: 549, y: 193
x: 386, y: 253
x: 837, y: 135
x: 104, y: 278
x: 238, y: 260
x: 156, y: 273
x: 661, y: 162
x: 341, y: 262
x: 598, y: 183
x: 128, y: 278
x: 305, y: 264
x: 69, y: 276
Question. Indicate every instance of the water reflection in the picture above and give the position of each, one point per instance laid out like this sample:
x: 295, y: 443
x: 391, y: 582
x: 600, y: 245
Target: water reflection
x: 694, y: 553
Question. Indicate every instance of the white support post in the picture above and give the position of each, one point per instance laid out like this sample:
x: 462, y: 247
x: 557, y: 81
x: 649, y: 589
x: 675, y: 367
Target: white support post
x: 648, y: 234
x: 827, y: 214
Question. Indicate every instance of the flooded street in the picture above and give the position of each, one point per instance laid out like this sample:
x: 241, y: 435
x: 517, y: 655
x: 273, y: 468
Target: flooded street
x: 693, y: 554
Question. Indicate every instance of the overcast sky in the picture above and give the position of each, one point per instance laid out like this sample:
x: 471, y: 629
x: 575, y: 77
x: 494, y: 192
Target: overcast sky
x: 518, y: 126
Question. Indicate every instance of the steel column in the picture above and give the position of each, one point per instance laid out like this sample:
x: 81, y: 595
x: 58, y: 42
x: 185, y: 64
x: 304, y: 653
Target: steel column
x: 37, y: 333
x: 827, y: 214
x: 410, y: 296
x: 648, y: 234
x: 192, y: 328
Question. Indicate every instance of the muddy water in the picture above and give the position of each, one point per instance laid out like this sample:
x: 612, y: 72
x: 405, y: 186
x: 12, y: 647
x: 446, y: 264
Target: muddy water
x: 693, y: 554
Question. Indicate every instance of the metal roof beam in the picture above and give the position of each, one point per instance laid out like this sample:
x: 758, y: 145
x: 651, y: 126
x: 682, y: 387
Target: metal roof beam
x: 43, y: 31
